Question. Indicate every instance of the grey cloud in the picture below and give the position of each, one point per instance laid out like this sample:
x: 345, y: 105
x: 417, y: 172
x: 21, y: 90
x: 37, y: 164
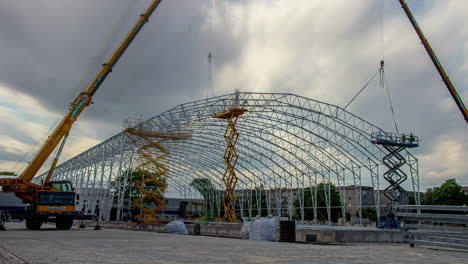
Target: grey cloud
x: 50, y: 49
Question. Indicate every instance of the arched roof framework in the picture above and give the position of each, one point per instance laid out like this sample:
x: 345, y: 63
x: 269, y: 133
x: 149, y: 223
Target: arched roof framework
x: 286, y: 141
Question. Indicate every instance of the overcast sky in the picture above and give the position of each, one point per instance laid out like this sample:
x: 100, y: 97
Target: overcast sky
x: 324, y: 50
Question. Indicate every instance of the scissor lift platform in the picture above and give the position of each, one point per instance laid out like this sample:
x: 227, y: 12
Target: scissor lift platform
x: 395, y: 176
x: 396, y: 140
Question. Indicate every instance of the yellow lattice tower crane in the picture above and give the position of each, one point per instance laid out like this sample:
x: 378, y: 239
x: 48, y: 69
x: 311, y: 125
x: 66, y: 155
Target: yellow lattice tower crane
x: 230, y: 158
x: 150, y: 165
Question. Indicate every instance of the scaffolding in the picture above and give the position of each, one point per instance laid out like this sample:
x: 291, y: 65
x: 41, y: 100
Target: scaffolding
x: 293, y: 152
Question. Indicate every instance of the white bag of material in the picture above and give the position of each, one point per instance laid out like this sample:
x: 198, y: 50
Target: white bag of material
x: 245, y: 230
x: 176, y: 227
x: 263, y: 229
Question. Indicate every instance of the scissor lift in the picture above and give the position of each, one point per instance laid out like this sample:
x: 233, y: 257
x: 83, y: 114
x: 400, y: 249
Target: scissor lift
x: 395, y: 176
x: 230, y: 158
x: 151, y: 165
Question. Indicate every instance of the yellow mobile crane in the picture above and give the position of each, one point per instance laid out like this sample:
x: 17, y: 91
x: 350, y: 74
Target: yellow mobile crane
x: 54, y: 201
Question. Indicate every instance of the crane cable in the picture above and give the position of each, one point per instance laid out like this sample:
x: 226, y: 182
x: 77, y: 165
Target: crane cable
x: 381, y: 71
x: 362, y: 89
x: 381, y: 56
x: 384, y: 84
x: 72, y: 94
x: 382, y: 46
x: 35, y: 148
x: 383, y: 78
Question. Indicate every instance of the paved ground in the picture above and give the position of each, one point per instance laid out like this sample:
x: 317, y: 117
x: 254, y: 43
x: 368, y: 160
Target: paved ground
x: 18, y: 245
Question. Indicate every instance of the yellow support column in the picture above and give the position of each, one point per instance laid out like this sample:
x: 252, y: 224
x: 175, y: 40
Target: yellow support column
x: 230, y: 159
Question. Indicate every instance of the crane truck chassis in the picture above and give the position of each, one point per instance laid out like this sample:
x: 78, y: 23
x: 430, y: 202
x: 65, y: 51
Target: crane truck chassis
x: 55, y: 204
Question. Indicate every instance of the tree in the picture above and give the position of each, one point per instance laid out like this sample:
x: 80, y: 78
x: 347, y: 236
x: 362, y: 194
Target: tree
x: 428, y: 197
x: 204, y: 186
x: 368, y: 213
x: 256, y: 194
x: 125, y: 183
x: 321, y: 203
x: 8, y: 173
x: 450, y: 193
x: 207, y: 190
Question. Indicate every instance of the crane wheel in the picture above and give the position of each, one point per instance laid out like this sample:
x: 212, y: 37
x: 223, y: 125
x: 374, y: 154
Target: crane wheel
x: 64, y: 222
x: 33, y: 223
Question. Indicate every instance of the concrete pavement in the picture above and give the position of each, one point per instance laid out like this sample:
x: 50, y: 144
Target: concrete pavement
x: 122, y: 246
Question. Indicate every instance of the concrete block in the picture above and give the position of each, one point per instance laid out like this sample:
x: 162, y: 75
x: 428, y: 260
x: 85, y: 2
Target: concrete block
x: 329, y: 235
x: 323, y: 235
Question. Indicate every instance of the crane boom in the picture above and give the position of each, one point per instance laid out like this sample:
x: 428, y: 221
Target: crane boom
x: 23, y: 182
x: 456, y: 97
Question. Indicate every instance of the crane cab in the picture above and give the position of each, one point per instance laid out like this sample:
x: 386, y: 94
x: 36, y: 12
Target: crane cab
x: 64, y: 186
x: 54, y: 203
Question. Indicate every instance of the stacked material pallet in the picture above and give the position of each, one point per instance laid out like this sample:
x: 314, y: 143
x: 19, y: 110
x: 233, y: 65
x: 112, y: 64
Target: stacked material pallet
x: 435, y: 226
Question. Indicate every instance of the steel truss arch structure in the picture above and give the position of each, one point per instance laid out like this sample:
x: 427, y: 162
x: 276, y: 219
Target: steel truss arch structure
x: 287, y: 143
